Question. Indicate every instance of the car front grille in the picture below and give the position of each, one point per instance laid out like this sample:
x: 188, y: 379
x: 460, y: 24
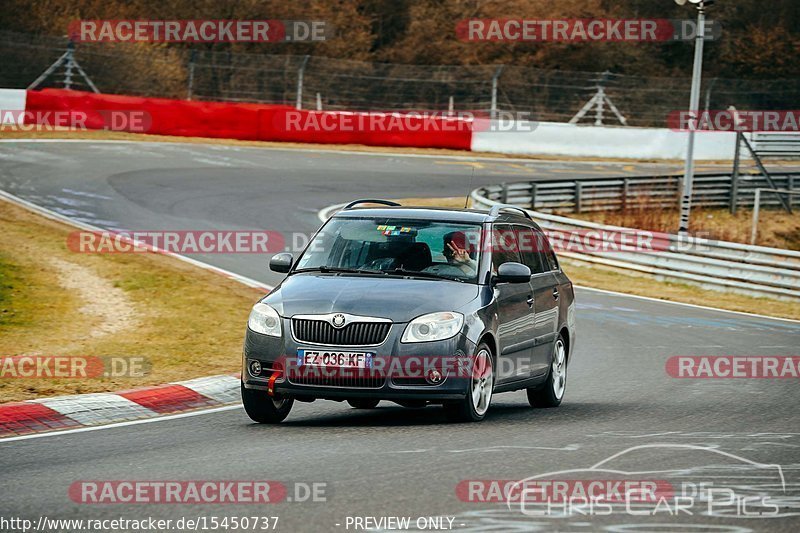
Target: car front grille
x: 353, y: 334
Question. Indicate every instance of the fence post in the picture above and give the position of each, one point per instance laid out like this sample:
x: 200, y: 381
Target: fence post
x: 578, y: 196
x: 735, y: 174
x: 68, y: 66
x: 625, y: 192
x: 493, y: 110
x: 190, y: 88
x: 300, y: 72
x: 504, y: 193
x: 319, y: 102
x: 533, y: 195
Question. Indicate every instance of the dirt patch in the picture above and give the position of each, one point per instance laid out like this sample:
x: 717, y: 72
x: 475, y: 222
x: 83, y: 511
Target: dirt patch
x: 101, y: 300
x: 184, y: 322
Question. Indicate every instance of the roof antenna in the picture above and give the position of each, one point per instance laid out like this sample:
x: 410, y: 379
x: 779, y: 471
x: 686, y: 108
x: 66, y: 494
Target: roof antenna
x: 471, y: 176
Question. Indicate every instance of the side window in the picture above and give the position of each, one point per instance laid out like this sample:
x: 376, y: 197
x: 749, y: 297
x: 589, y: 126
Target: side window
x: 547, y: 251
x: 504, y: 246
x: 529, y: 246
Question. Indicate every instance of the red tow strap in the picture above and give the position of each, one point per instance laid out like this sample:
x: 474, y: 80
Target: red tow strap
x: 271, y: 383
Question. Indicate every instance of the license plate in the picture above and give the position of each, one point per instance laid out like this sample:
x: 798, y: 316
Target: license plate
x: 334, y: 359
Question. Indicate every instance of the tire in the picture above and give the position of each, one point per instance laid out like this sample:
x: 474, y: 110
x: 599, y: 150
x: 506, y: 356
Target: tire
x: 363, y: 403
x: 263, y: 409
x: 480, y: 386
x: 552, y: 392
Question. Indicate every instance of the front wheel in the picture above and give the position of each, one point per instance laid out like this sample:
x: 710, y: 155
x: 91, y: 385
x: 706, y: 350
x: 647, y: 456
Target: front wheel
x: 552, y: 392
x: 264, y: 409
x: 474, y: 406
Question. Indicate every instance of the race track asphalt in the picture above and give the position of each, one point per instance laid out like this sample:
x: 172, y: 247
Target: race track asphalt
x: 394, y: 461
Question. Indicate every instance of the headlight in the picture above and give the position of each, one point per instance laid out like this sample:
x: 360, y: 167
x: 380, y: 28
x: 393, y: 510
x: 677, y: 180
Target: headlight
x: 433, y: 327
x: 264, y: 319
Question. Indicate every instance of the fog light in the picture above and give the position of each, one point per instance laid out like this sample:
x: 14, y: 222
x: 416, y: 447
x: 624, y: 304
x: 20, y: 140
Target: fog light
x: 434, y: 377
x: 255, y: 368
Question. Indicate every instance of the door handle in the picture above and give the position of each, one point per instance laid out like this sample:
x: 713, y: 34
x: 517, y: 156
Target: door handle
x: 530, y: 301
x: 555, y: 294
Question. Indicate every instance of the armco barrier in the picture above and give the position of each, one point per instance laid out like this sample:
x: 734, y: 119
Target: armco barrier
x: 601, y: 194
x: 726, y: 266
x: 257, y: 122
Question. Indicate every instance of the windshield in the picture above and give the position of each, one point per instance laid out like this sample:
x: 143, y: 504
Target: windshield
x: 425, y: 248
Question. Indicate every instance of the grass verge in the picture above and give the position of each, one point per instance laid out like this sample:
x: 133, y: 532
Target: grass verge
x: 618, y: 280
x: 184, y: 321
x: 776, y: 227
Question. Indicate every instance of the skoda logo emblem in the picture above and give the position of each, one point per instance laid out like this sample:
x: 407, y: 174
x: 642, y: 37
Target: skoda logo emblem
x: 338, y: 320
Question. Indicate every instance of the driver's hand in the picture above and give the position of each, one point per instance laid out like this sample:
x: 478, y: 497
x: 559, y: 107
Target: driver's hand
x: 459, y: 255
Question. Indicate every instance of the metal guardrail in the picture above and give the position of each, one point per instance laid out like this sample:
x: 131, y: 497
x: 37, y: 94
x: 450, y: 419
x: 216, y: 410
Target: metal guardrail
x: 576, y: 196
x: 753, y: 270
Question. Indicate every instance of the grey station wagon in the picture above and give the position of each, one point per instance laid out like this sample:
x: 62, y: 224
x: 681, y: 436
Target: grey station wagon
x: 413, y: 305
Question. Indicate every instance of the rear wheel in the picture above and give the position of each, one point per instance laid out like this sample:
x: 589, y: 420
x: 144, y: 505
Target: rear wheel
x: 265, y: 409
x: 474, y: 406
x: 363, y: 403
x: 552, y: 392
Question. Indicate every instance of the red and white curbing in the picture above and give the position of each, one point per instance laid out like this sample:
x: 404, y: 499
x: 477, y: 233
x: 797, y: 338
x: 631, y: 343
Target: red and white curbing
x: 67, y: 412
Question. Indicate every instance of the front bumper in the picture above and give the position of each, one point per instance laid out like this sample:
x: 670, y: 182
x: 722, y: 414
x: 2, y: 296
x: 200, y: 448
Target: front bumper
x: 402, y: 375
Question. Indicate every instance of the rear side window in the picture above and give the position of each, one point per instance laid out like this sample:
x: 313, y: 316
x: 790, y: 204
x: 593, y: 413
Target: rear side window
x: 529, y: 246
x: 505, y: 247
x: 547, y: 251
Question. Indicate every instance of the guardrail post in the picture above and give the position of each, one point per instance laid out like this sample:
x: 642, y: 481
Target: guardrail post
x: 533, y: 195
x: 578, y: 196
x: 756, y: 204
x: 626, y: 185
x: 790, y: 186
x: 735, y: 174
x: 504, y: 192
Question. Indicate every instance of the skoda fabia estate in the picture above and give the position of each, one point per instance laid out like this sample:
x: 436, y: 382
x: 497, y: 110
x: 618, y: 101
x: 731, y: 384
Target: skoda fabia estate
x: 413, y: 305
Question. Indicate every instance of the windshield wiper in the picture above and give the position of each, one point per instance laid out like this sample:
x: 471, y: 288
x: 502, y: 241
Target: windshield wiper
x: 338, y: 270
x: 416, y: 273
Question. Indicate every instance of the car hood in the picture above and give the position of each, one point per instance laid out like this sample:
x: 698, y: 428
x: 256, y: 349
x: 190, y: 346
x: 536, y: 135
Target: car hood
x: 399, y: 299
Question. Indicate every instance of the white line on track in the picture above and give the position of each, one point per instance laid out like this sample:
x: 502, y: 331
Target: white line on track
x: 121, y: 424
x: 366, y: 153
x: 89, y: 227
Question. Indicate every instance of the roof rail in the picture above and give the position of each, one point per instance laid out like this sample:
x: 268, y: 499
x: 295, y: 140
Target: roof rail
x: 370, y: 201
x: 500, y: 207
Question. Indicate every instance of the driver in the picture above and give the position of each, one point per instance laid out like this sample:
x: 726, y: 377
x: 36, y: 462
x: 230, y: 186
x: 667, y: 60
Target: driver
x: 458, y: 252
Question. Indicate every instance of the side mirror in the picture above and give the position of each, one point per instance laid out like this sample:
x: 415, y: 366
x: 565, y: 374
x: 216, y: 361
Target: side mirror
x: 281, y: 262
x: 512, y: 272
